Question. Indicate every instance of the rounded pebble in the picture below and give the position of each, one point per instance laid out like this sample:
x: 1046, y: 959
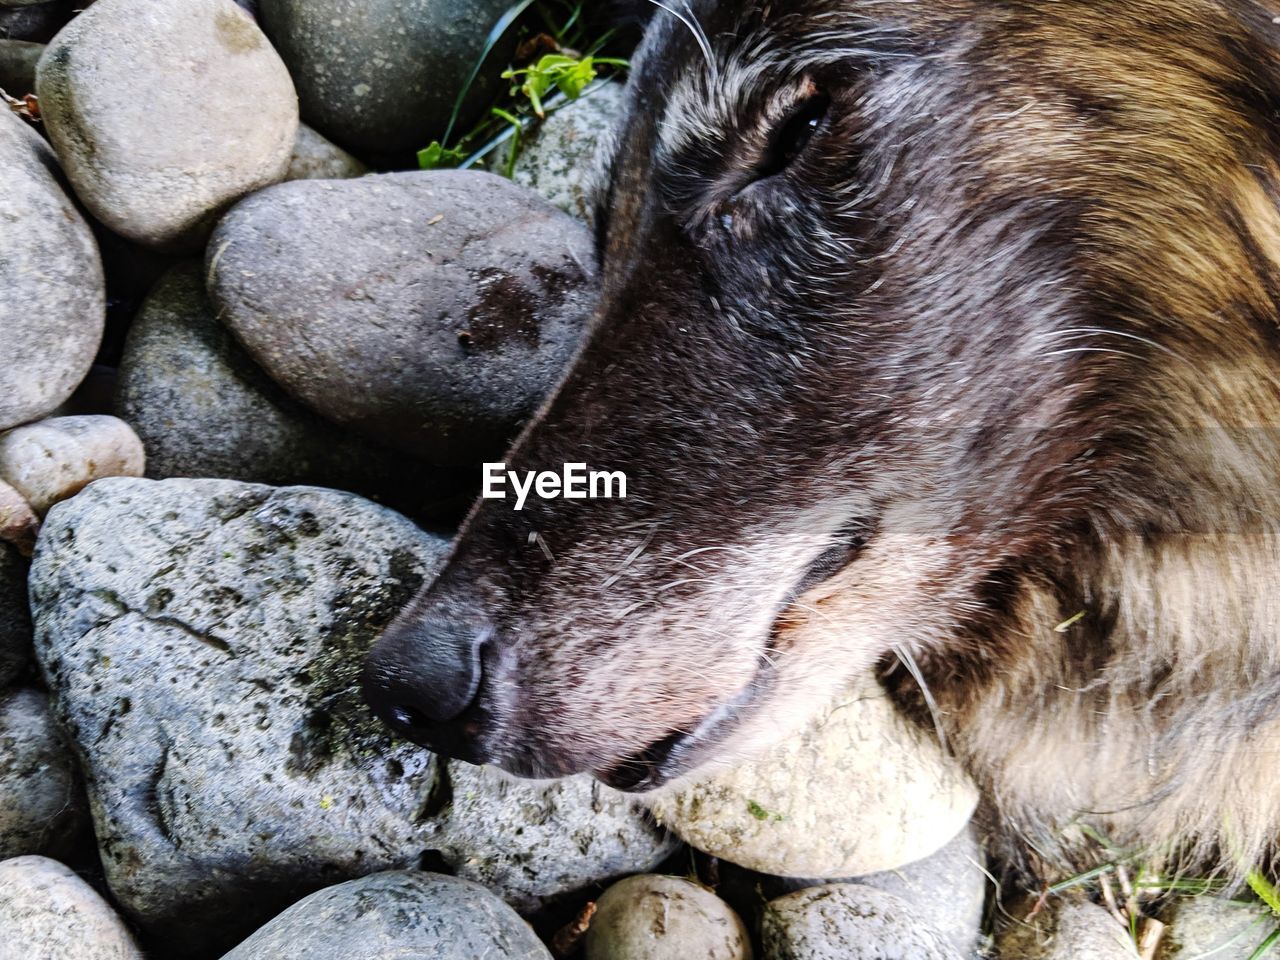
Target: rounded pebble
x: 18, y: 60
x: 861, y: 790
x: 315, y: 158
x: 561, y: 163
x: 54, y: 459
x: 1214, y: 929
x: 48, y: 913
x: 18, y: 522
x: 52, y: 292
x: 165, y: 113
x: 431, y: 311
x: 41, y: 806
x: 203, y: 408
x: 947, y: 890
x: 652, y: 917
x: 1066, y: 930
x: 396, y: 914
x: 847, y: 921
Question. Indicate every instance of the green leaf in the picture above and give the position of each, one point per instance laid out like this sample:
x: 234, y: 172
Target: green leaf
x: 1265, y: 947
x: 1265, y: 890
x: 572, y: 80
x: 436, y: 156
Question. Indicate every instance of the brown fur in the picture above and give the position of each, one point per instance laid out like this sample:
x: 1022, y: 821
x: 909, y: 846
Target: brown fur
x: 1005, y: 333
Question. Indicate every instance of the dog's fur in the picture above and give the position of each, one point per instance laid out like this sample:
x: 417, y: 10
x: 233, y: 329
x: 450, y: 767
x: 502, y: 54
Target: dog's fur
x: 998, y: 347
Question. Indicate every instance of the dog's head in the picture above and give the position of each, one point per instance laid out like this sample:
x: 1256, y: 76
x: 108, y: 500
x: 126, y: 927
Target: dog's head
x: 902, y: 302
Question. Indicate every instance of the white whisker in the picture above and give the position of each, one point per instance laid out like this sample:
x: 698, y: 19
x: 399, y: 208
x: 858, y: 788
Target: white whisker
x: 699, y: 35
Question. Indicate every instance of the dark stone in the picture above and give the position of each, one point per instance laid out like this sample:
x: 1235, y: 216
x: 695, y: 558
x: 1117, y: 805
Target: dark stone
x: 380, y: 77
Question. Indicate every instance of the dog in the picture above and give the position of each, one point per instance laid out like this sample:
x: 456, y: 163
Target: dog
x: 938, y: 338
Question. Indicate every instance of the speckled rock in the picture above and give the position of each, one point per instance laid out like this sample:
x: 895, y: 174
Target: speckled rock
x: 1068, y: 930
x: 15, y: 618
x: 49, y: 913
x: 52, y: 295
x: 381, y: 76
x: 18, y: 60
x: 55, y: 459
x: 315, y: 158
x: 217, y: 121
x: 203, y: 639
x: 203, y: 408
x: 431, y: 311
x: 849, y: 922
x: 1213, y: 929
x: 561, y: 162
x: 653, y: 917
x: 41, y: 804
x: 858, y: 792
x: 946, y: 891
x: 396, y: 914
x: 532, y: 841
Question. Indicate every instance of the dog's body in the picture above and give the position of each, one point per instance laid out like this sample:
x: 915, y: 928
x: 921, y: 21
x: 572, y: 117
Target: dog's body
x: 942, y: 333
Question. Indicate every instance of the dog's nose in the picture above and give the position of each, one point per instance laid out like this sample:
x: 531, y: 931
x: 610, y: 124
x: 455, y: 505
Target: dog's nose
x: 423, y: 678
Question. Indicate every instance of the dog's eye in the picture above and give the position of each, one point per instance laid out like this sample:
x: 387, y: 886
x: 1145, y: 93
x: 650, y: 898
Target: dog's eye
x: 791, y: 136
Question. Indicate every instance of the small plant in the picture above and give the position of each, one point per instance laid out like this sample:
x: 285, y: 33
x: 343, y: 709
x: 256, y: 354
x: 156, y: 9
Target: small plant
x: 568, y: 74
x: 1267, y: 893
x: 1128, y: 889
x: 568, y: 63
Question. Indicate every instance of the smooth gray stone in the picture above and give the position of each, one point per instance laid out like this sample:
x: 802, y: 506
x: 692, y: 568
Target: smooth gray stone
x: 429, y: 311
x: 164, y: 114
x: 18, y: 59
x: 52, y: 293
x: 41, y: 802
x: 400, y: 914
x: 849, y: 921
x: 48, y: 913
x: 203, y: 408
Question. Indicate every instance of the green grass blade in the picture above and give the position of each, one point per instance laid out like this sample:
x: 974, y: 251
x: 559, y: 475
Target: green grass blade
x: 553, y: 105
x: 491, y: 41
x: 1266, y: 945
x: 602, y: 42
x: 1081, y: 878
x: 573, y: 20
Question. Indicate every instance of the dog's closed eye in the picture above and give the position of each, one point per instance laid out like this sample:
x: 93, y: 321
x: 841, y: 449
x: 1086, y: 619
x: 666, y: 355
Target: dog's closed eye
x: 790, y: 137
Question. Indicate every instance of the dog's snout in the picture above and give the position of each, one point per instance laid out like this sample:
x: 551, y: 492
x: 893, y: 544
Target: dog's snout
x: 424, y: 679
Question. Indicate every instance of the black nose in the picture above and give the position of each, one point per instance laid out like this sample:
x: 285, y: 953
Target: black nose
x: 424, y: 678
